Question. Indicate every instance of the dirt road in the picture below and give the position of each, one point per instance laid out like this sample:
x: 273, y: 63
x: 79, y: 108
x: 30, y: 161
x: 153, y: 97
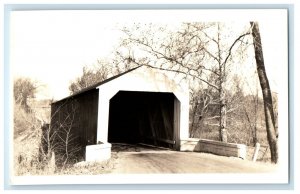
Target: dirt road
x: 140, y: 160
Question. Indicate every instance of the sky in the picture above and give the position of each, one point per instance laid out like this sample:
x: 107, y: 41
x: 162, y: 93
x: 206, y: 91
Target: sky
x: 51, y: 47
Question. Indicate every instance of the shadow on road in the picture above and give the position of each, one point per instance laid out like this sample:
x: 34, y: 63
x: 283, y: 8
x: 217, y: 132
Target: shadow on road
x: 124, y: 147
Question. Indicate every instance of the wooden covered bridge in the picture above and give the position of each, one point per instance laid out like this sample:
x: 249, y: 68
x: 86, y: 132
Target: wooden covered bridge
x: 142, y: 105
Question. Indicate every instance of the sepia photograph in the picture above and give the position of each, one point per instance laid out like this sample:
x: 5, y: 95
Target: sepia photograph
x: 199, y: 96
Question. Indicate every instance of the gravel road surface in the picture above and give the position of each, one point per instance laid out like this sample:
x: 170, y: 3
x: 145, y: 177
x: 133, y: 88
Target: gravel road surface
x: 140, y: 159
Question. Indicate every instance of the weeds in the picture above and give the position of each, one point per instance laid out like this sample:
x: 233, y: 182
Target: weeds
x: 40, y: 149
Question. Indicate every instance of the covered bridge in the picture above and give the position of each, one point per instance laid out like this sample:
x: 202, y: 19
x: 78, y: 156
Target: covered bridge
x: 142, y: 105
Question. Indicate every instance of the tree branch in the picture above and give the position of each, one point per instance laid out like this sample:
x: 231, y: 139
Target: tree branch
x: 176, y: 71
x: 233, y: 44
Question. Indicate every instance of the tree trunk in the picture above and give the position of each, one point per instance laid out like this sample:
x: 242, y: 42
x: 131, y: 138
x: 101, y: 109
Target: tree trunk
x: 272, y: 132
x: 223, y: 110
x: 223, y: 115
x: 222, y: 95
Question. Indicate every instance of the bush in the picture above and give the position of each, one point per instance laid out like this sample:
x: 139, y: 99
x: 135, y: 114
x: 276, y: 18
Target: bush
x: 27, y: 145
x: 24, y: 122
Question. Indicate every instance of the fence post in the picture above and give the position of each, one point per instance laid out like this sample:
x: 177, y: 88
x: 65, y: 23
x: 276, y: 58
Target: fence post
x: 255, y: 154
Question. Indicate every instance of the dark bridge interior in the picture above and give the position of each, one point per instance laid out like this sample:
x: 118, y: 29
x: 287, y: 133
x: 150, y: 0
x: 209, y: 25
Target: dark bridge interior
x: 142, y: 117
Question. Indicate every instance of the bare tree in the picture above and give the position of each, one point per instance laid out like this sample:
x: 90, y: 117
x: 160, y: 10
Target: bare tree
x: 68, y: 146
x: 251, y: 109
x: 61, y: 137
x: 203, y: 109
x: 272, y: 131
x: 24, y: 89
x: 197, y: 51
x: 91, y: 75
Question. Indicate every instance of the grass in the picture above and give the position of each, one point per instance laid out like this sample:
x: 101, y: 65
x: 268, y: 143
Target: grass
x: 26, y: 155
x: 264, y: 154
x: 89, y: 168
x: 26, y: 142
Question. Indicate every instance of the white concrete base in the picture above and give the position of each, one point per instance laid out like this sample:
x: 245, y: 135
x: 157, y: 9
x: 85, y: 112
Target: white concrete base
x: 99, y: 152
x: 190, y: 145
x: 214, y: 147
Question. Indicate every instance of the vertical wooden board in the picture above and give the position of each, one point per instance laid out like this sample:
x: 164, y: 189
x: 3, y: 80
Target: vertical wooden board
x: 166, y: 110
x: 79, y: 114
x: 88, y: 117
x: 177, y: 123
